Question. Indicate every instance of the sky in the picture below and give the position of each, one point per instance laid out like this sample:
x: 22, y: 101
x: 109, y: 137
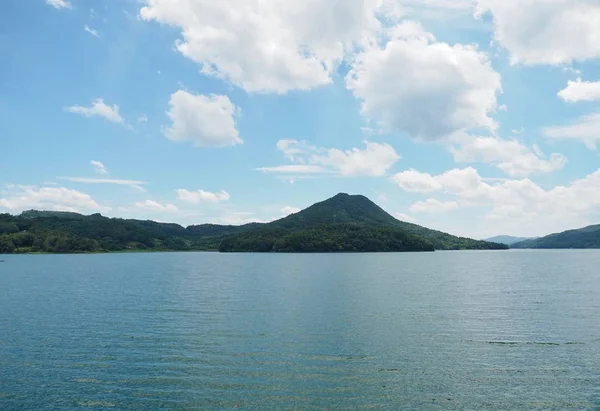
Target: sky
x: 474, y: 117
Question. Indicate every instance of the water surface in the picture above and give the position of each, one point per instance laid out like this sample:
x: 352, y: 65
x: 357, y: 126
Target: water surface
x: 448, y: 330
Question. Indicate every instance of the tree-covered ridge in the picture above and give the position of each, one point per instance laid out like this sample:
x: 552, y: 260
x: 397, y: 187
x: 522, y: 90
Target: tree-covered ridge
x: 335, y: 237
x: 333, y: 218
x: 342, y: 223
x: 53, y: 232
x: 587, y: 237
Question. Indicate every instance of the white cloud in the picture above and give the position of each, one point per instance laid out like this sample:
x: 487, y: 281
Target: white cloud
x: 416, y: 182
x: 287, y: 210
x: 201, y: 196
x: 93, y: 180
x: 405, y: 218
x: 59, y: 4
x: 238, y: 218
x: 150, y: 205
x: 585, y: 129
x: 295, y: 150
x: 375, y: 160
x: 580, y: 91
x: 511, y: 156
x: 424, y: 87
x: 432, y: 205
x: 206, y: 121
x: 142, y: 119
x: 99, y: 167
x: 21, y: 198
x: 293, y: 169
x: 100, y: 109
x: 91, y: 31
x: 453, y: 13
x: 550, y: 32
x: 268, y: 45
x: 382, y: 198
x: 571, y: 70
x: 521, y: 205
x: 438, y: 5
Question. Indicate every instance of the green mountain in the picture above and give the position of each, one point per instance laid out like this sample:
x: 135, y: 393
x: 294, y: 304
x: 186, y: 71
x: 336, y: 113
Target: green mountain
x: 507, y: 239
x: 71, y: 232
x: 342, y: 223
x: 346, y: 223
x: 587, y: 237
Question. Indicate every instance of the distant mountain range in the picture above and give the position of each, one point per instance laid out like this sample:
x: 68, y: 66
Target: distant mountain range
x: 587, y: 237
x: 343, y: 223
x: 506, y: 239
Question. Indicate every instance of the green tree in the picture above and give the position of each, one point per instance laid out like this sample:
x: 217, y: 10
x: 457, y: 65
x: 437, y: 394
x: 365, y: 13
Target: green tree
x: 6, y: 245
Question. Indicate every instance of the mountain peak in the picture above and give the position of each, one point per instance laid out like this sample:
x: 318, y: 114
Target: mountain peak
x: 341, y: 208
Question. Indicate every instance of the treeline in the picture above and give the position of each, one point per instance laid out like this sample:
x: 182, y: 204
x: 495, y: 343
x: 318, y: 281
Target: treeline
x: 55, y: 232
x: 583, y: 238
x: 342, y: 237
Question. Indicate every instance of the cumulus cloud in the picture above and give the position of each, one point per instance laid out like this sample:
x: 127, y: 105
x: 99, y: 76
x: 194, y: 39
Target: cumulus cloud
x: 424, y: 87
x: 521, y: 204
x: 21, y: 198
x: 98, y: 109
x: 416, y: 182
x: 201, y: 196
x: 99, y: 167
x: 585, y: 129
x: 510, y: 156
x: 580, y: 91
x: 432, y: 205
x: 375, y: 160
x: 205, y: 121
x: 270, y: 45
x: 59, y: 4
x: 549, y: 32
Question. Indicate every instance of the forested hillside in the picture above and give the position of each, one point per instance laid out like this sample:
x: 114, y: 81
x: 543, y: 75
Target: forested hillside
x: 341, y: 223
x: 588, y: 237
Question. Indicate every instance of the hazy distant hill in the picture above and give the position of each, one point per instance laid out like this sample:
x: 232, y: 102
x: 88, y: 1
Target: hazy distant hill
x: 341, y: 223
x: 587, y: 237
x: 507, y: 239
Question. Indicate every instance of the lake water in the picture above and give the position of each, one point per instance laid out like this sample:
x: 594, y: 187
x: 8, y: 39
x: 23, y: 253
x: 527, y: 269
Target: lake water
x: 445, y: 330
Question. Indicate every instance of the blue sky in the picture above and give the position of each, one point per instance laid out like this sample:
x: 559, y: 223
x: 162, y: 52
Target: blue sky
x: 474, y: 117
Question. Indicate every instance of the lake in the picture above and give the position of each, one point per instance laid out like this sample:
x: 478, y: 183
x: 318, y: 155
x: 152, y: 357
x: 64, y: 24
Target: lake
x: 445, y: 330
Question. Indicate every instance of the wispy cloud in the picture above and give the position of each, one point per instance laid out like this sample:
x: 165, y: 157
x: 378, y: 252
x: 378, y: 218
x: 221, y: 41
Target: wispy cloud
x: 134, y: 184
x: 91, y: 31
x: 293, y: 169
x: 59, y: 4
x: 92, y: 180
x: 98, y: 109
x: 99, y: 167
